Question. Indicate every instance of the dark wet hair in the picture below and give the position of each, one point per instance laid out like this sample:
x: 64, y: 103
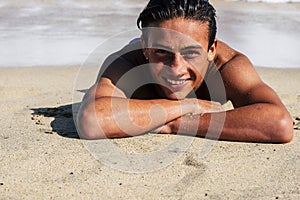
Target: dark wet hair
x: 160, y: 10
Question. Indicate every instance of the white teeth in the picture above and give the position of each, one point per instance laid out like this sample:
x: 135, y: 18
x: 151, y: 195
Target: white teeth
x: 176, y: 82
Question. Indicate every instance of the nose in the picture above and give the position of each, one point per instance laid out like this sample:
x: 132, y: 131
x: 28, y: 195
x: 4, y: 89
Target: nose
x: 179, y: 65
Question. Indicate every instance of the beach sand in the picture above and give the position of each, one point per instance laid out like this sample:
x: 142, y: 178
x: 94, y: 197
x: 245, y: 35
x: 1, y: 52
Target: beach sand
x: 41, y: 158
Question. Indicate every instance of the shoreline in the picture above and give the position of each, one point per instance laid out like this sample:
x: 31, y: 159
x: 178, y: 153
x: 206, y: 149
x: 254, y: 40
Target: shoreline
x: 40, y: 37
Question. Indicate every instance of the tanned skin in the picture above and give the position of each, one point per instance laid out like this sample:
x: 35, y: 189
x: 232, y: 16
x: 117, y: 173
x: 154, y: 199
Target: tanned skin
x: 258, y: 114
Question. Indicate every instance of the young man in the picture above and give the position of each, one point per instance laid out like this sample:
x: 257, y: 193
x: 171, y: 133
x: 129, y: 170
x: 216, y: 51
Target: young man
x: 174, y: 79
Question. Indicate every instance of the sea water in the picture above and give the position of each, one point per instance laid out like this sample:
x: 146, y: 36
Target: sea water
x: 268, y: 33
x: 58, y: 33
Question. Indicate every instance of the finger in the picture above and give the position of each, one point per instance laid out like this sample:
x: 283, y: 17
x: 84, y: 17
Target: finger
x: 209, y: 107
x: 215, y: 107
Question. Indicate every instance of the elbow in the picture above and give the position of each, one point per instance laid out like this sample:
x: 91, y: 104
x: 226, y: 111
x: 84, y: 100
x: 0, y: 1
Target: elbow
x: 284, y: 130
x: 87, y: 126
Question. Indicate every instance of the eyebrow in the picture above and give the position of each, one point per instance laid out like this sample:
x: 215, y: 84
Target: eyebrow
x: 192, y: 47
x: 157, y: 45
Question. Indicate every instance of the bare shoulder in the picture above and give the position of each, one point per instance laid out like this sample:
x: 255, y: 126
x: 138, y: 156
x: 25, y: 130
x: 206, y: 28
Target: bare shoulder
x: 240, y: 77
x: 224, y: 54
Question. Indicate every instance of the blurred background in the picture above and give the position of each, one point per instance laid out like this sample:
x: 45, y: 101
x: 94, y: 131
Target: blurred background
x: 64, y: 32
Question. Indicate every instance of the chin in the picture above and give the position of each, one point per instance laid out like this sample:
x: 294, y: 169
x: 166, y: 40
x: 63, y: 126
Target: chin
x: 176, y: 96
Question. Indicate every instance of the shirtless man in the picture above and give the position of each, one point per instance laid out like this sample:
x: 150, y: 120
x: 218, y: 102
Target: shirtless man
x: 174, y: 84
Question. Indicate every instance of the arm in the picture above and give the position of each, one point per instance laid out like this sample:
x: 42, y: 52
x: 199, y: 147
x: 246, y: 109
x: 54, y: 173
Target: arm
x: 106, y: 112
x: 259, y: 115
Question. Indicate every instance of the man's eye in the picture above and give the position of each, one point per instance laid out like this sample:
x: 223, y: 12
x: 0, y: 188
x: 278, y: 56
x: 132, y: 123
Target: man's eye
x: 162, y: 51
x: 191, y: 54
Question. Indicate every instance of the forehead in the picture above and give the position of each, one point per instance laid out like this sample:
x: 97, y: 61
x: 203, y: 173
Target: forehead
x: 179, y: 32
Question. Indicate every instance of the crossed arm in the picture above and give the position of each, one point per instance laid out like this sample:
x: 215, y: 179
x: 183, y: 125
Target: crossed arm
x: 259, y: 115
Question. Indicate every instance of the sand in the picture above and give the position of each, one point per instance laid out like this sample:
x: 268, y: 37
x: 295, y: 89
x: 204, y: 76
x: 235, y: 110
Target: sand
x: 41, y: 158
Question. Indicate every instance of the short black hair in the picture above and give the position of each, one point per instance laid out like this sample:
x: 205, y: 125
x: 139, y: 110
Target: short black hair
x: 158, y: 11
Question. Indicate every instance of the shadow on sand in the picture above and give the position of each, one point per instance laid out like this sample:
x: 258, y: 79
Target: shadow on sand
x: 63, y: 123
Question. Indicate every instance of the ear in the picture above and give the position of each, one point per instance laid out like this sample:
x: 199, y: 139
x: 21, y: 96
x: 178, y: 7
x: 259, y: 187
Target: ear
x: 212, y: 51
x: 144, y: 47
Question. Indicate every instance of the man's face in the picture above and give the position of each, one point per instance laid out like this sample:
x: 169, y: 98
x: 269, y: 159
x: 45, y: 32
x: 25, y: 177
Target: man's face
x: 178, y: 55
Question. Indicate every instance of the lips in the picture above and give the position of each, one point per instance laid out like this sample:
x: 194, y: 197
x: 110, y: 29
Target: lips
x: 176, y: 82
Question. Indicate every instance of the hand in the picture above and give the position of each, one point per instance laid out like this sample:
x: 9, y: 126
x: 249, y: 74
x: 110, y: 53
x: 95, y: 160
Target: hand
x: 201, y: 107
x: 204, y: 106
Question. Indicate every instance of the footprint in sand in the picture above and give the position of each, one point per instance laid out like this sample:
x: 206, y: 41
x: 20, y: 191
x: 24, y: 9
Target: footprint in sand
x: 191, y: 161
x: 195, y: 172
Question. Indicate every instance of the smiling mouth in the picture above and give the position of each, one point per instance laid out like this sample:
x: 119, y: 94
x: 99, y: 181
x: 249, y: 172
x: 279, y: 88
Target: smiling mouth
x: 176, y: 82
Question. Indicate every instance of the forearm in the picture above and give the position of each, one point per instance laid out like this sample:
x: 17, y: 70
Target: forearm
x: 110, y: 117
x: 253, y: 123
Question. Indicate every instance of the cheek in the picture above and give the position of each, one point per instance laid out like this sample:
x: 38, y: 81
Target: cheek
x: 199, y: 70
x: 198, y: 74
x: 154, y: 73
x: 155, y: 68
